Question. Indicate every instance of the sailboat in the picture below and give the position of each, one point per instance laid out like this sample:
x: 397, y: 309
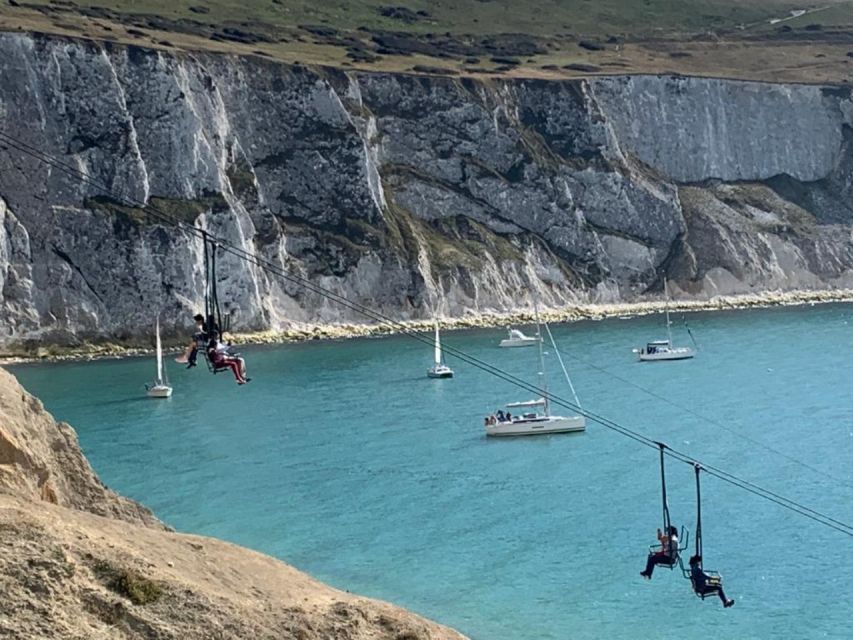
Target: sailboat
x: 439, y: 369
x: 663, y: 349
x: 160, y: 388
x: 534, y: 416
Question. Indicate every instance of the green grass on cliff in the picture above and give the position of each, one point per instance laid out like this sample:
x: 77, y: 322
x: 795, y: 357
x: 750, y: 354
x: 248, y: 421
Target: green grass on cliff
x: 549, y: 38
x: 630, y: 18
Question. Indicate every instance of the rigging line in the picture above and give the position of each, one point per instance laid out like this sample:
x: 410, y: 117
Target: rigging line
x: 272, y: 267
x: 705, y: 418
x: 563, y: 365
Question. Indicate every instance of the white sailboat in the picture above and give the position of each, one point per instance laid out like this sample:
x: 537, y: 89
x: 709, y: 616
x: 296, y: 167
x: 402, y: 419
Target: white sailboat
x: 663, y: 349
x: 439, y: 369
x: 160, y: 388
x: 534, y: 417
x: 516, y: 338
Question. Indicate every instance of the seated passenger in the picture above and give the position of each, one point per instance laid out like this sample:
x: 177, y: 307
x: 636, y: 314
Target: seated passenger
x: 705, y: 585
x: 220, y: 358
x: 190, y: 355
x: 667, y: 555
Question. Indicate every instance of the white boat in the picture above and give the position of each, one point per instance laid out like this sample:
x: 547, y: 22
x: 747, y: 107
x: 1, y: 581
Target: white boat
x: 439, y: 369
x: 160, y: 388
x: 530, y: 423
x: 534, y: 416
x: 517, y: 339
x: 663, y: 349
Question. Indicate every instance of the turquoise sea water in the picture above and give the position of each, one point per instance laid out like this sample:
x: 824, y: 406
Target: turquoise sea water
x: 344, y: 460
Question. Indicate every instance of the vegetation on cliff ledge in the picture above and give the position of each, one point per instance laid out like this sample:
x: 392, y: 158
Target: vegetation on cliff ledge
x: 779, y: 40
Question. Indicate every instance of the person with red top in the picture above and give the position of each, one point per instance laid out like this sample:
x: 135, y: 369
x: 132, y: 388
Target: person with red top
x: 220, y: 358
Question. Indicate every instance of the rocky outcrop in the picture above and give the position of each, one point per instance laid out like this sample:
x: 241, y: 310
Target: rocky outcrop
x: 414, y: 196
x: 40, y: 460
x: 82, y: 562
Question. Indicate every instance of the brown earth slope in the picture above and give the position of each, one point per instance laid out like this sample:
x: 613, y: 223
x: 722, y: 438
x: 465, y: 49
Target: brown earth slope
x: 79, y: 561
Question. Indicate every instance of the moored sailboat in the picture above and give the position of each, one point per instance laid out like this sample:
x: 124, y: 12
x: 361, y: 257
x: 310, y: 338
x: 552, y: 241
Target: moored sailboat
x: 160, y: 388
x: 535, y: 415
x: 439, y: 369
x: 663, y: 349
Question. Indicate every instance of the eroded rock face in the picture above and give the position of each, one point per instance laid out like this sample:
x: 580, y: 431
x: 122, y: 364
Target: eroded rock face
x: 414, y: 196
x: 80, y: 561
x: 40, y: 460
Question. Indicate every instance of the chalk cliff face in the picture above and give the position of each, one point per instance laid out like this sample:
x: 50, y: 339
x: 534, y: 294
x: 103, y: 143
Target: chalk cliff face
x: 413, y: 195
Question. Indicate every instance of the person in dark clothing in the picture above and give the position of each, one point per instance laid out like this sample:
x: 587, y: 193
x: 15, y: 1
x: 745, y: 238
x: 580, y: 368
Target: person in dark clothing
x: 667, y: 555
x: 706, y: 585
x: 199, y: 340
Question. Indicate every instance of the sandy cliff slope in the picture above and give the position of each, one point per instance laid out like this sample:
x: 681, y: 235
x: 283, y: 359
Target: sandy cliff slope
x: 79, y: 561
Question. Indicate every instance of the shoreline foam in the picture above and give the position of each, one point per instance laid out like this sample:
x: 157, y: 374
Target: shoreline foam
x: 304, y: 332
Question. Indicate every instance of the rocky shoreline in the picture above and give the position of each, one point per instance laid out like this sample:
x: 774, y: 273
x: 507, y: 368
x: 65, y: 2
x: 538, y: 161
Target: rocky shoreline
x: 302, y: 332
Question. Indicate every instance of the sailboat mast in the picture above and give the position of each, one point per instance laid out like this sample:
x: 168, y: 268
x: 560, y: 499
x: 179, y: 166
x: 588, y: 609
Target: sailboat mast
x: 543, y: 382
x: 437, y: 346
x: 666, y: 307
x: 159, y: 355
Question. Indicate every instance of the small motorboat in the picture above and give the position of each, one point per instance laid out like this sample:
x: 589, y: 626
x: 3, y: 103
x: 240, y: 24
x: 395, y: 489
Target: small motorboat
x: 517, y: 339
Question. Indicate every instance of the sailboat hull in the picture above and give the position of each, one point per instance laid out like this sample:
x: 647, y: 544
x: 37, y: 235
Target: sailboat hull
x: 678, y: 353
x: 537, y: 425
x: 518, y: 342
x: 440, y: 372
x: 159, y: 391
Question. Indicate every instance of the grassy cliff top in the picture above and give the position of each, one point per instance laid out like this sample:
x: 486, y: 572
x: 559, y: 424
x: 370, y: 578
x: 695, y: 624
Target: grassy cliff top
x: 774, y: 40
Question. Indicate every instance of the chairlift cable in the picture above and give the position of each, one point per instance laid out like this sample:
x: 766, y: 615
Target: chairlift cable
x: 461, y: 355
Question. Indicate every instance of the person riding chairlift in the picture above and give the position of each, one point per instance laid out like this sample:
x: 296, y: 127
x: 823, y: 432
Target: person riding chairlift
x: 199, y: 340
x: 220, y: 358
x: 667, y: 555
x: 705, y: 585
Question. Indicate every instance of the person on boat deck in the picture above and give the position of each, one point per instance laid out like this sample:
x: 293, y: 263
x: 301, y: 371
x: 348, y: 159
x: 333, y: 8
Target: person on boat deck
x: 667, y: 555
x: 500, y: 415
x: 219, y: 356
x: 508, y: 416
x: 704, y: 585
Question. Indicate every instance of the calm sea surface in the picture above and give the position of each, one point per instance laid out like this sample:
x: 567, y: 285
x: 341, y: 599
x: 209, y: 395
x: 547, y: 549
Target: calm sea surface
x: 344, y: 460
